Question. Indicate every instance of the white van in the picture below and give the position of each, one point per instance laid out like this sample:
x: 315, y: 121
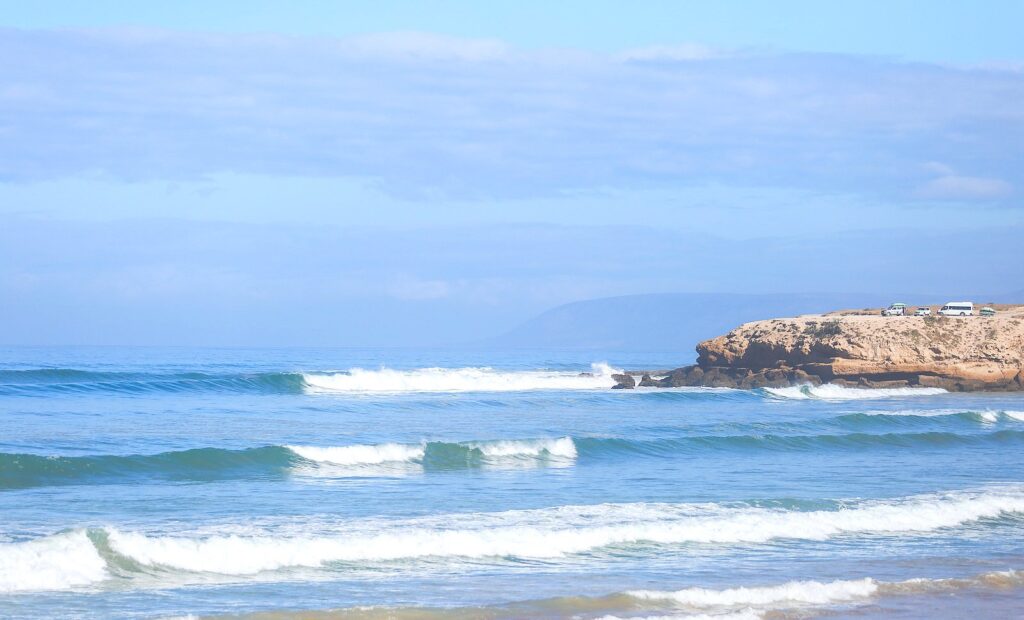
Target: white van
x: 957, y: 308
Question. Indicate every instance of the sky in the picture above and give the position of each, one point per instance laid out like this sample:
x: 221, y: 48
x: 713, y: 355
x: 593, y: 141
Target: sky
x: 399, y: 173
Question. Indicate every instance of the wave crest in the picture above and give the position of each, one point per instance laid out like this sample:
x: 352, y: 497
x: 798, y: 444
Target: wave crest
x: 57, y: 562
x: 18, y: 471
x: 81, y: 558
x: 361, y: 454
x: 442, y: 455
x: 831, y: 391
x: 472, y: 379
x: 562, y: 531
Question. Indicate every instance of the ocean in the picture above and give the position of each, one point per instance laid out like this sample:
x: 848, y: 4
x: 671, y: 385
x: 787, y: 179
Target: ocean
x: 388, y: 483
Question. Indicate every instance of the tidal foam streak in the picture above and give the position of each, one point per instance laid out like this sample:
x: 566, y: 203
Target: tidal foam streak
x: 795, y: 594
x: 385, y: 380
x: 798, y: 599
x: 801, y: 592
x: 746, y: 614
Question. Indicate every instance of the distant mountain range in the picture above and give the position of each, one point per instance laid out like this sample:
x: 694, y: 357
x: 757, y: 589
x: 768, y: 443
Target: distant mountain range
x: 678, y: 321
x: 1016, y: 297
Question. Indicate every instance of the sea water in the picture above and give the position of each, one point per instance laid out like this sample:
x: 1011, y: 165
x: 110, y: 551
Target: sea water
x: 159, y: 483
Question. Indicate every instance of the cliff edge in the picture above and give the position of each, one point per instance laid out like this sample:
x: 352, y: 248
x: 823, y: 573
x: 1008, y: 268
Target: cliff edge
x: 861, y: 350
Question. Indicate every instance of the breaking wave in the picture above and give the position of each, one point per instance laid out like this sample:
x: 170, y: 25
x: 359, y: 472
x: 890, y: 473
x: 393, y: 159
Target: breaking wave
x: 986, y: 416
x: 50, y: 381
x: 361, y: 455
x: 30, y: 470
x: 361, y: 381
x: 358, y: 380
x: 207, y: 464
x: 57, y: 562
x: 74, y: 558
x: 830, y: 391
x: 559, y: 532
x: 442, y: 455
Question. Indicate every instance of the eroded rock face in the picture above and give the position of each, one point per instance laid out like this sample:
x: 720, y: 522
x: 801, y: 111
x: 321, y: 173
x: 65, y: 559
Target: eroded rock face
x: 955, y: 353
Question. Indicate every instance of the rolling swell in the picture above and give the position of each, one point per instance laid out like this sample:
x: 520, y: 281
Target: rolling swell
x: 790, y: 443
x: 57, y: 381
x: 18, y: 471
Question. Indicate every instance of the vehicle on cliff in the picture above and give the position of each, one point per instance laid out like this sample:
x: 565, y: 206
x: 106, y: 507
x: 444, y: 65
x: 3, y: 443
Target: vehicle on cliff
x: 896, y: 309
x: 987, y: 311
x: 957, y: 308
x: 923, y: 312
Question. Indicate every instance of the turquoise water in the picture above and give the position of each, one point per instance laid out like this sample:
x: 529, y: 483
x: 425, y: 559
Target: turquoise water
x: 160, y: 483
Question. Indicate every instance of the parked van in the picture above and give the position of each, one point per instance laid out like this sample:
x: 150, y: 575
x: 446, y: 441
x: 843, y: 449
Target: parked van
x: 957, y: 308
x: 895, y: 310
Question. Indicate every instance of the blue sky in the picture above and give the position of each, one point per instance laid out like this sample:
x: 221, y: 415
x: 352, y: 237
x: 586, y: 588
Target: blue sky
x: 397, y: 172
x: 931, y: 31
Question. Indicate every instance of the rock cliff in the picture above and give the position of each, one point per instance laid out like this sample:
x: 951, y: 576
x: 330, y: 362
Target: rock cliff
x: 857, y: 349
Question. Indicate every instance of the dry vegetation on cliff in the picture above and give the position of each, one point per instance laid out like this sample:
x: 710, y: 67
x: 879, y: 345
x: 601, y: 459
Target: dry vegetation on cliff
x: 859, y: 349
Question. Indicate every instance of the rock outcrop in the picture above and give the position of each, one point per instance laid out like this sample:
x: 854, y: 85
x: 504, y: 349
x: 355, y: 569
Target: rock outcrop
x: 624, y: 382
x: 860, y: 350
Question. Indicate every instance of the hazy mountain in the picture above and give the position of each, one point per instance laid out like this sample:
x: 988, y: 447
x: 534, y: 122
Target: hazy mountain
x: 1016, y: 297
x: 672, y: 321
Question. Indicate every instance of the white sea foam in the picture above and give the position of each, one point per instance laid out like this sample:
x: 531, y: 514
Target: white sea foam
x: 57, y: 562
x: 69, y: 560
x: 829, y: 391
x: 557, y: 532
x: 988, y: 417
x: 361, y: 454
x: 793, y: 592
x: 494, y: 452
x: 996, y: 579
x: 744, y: 614
x: 385, y: 380
x: 759, y: 601
x: 917, y: 413
x: 563, y: 448
x: 985, y: 417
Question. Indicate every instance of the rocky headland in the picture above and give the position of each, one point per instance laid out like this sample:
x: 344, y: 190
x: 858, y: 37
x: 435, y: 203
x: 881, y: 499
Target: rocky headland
x: 858, y: 349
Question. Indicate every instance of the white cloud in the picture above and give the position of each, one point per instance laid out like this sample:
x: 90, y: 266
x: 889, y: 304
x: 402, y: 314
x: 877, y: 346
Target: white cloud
x: 408, y: 289
x: 969, y: 188
x: 952, y: 186
x: 426, y: 46
x: 672, y: 53
x: 423, y: 115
